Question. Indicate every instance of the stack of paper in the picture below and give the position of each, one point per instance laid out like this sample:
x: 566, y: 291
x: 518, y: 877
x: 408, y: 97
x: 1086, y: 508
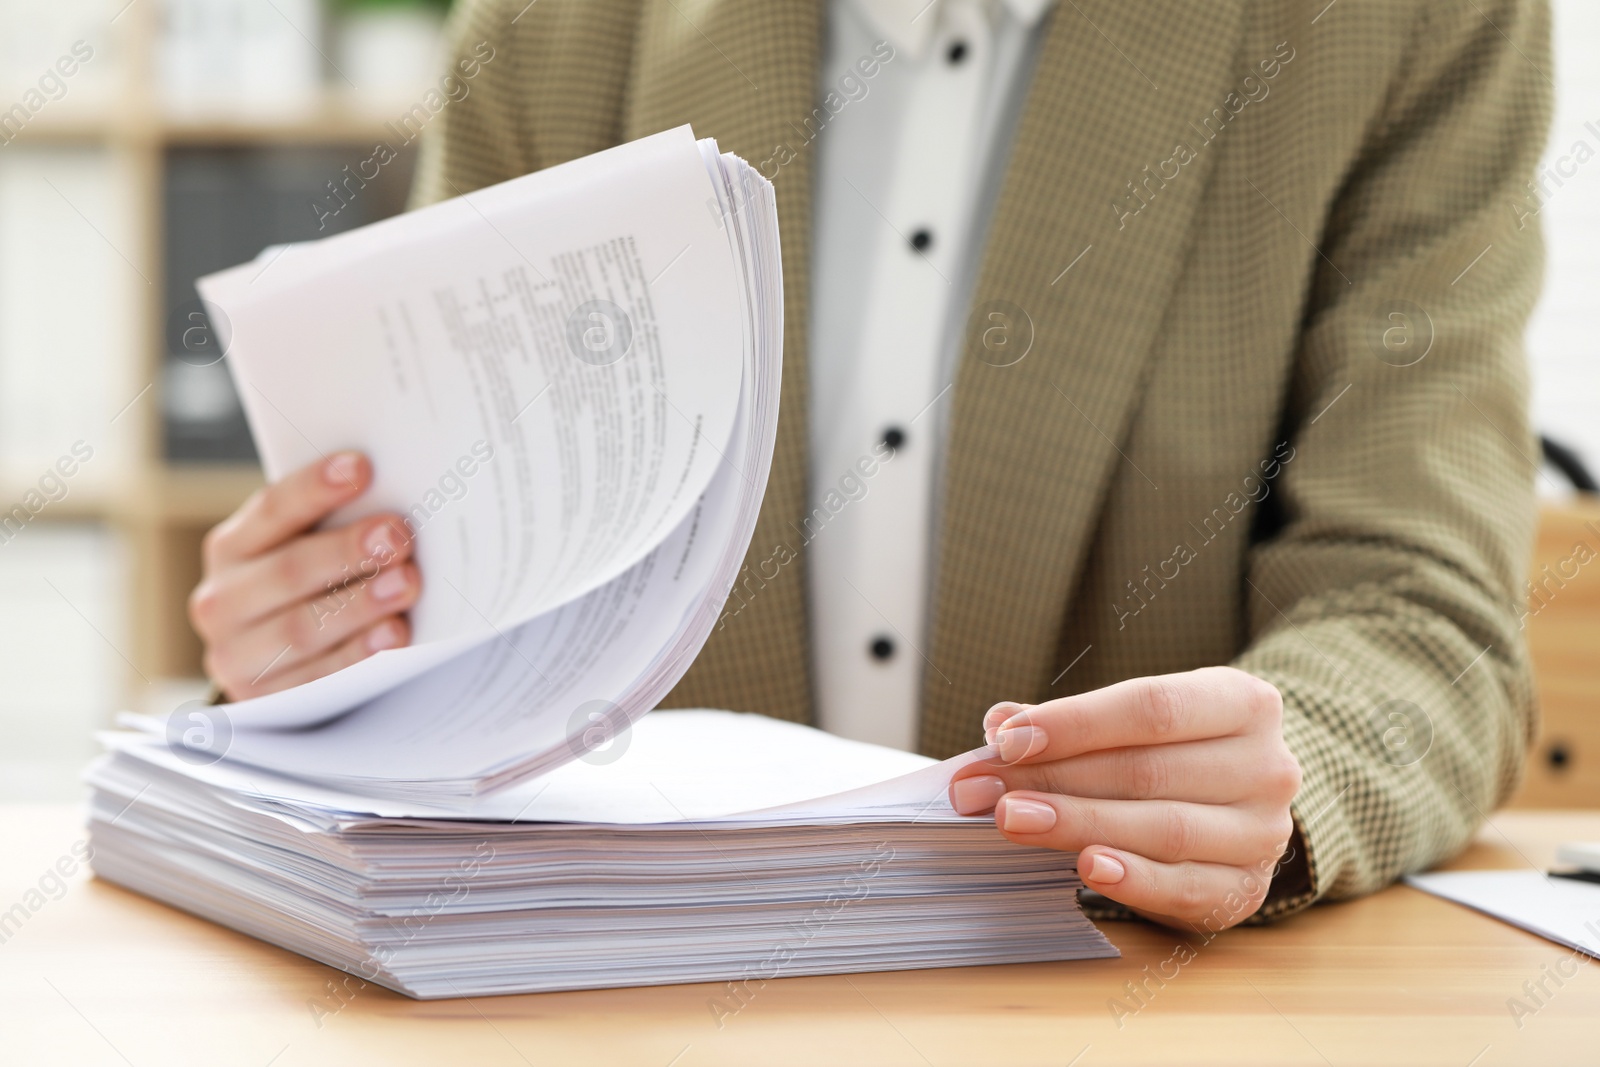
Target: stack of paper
x: 568, y: 383
x: 647, y: 869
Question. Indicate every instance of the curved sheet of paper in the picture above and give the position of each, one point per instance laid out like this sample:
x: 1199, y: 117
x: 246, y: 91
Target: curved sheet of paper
x: 578, y: 330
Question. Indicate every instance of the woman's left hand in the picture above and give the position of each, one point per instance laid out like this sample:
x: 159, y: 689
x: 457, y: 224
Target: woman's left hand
x: 1173, y: 790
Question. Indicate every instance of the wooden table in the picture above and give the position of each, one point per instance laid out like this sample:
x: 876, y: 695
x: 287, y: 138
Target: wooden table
x: 101, y: 976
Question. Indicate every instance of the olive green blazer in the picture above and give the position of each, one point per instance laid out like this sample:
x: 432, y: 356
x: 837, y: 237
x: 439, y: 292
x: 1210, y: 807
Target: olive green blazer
x: 1269, y: 263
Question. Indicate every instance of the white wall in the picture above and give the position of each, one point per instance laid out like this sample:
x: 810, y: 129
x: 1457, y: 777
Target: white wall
x: 1564, y: 337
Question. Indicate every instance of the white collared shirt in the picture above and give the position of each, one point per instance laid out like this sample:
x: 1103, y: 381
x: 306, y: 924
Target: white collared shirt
x: 918, y: 102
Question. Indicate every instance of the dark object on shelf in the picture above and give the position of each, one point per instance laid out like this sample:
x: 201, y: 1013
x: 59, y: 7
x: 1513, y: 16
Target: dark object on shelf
x: 222, y: 206
x: 1568, y: 463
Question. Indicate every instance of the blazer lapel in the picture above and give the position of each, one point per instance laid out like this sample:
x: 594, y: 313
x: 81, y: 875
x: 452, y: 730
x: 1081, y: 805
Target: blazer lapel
x: 745, y: 72
x: 1078, y: 269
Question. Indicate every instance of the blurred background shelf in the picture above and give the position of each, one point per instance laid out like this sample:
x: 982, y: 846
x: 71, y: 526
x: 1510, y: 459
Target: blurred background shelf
x: 332, y: 123
x: 141, y: 146
x: 174, y: 493
x: 68, y: 127
x: 91, y: 503
x: 188, y: 494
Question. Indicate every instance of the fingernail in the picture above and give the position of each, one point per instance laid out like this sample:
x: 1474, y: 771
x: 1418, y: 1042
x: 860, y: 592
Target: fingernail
x: 380, y: 542
x: 972, y: 796
x: 1019, y: 816
x: 1018, y: 742
x: 342, y: 469
x: 1102, y: 868
x: 995, y: 716
x: 391, y: 584
x: 387, y: 635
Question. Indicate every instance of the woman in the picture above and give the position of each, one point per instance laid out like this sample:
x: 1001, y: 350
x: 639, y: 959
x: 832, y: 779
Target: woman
x: 1183, y: 342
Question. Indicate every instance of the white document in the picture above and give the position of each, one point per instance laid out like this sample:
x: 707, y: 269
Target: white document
x: 1564, y: 910
x: 419, y: 336
x: 568, y: 384
x: 669, y: 767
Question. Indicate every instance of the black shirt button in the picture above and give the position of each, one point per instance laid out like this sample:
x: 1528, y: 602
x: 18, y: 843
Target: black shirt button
x: 893, y: 438
x: 882, y: 648
x: 957, y: 52
x: 921, y: 240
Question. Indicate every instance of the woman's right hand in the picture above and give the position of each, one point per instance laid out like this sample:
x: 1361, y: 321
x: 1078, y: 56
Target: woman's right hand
x: 281, y: 603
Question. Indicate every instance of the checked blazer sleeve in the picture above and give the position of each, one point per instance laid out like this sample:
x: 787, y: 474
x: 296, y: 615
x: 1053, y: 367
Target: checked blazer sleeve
x: 1386, y: 606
